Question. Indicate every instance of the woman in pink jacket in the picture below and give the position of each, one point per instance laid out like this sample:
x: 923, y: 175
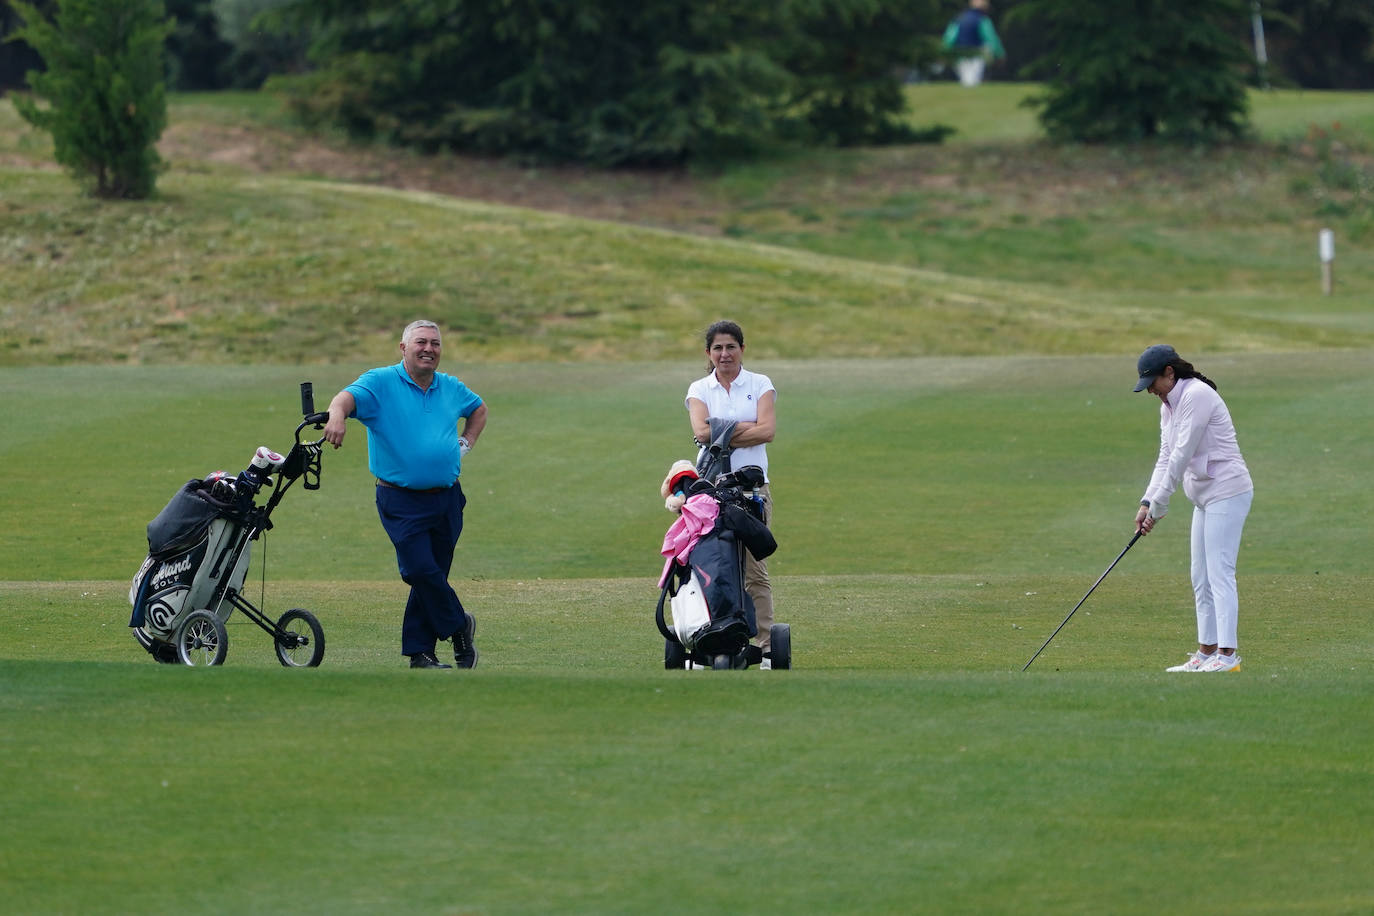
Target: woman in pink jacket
x: 1197, y: 447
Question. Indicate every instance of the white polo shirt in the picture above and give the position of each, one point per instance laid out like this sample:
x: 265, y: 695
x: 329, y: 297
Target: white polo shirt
x: 741, y: 404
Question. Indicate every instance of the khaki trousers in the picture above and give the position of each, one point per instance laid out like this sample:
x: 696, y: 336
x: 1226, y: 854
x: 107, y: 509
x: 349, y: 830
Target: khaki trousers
x: 756, y: 580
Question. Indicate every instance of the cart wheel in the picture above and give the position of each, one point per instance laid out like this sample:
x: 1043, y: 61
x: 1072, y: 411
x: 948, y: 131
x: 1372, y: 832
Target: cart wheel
x: 300, y: 643
x: 722, y: 662
x: 674, y: 655
x: 780, y: 645
x: 201, y: 640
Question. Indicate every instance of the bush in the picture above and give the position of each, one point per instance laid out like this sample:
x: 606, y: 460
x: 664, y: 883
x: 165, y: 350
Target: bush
x: 1135, y: 71
x: 258, y: 51
x: 196, y: 54
x: 845, y: 56
x: 607, y: 81
x: 106, y: 101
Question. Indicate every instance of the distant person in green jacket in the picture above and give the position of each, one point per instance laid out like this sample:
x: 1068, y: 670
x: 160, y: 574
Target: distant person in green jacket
x: 973, y: 40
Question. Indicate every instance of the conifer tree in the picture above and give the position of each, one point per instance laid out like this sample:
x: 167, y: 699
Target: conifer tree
x: 610, y: 82
x: 106, y: 102
x: 1138, y: 70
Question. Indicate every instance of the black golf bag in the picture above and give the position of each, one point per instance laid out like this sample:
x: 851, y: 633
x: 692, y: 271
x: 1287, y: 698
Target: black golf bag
x: 703, y: 580
x: 198, y: 555
x: 195, y: 524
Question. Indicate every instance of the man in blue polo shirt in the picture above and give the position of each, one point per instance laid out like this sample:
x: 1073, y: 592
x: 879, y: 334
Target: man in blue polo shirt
x: 415, y: 451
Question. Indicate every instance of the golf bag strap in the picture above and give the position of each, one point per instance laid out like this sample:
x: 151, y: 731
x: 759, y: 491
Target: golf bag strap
x: 136, y: 617
x: 658, y: 615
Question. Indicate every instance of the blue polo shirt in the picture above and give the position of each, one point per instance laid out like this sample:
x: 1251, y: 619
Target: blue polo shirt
x: 412, y: 435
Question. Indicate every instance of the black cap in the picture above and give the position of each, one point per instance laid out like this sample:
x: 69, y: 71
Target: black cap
x: 1152, y: 363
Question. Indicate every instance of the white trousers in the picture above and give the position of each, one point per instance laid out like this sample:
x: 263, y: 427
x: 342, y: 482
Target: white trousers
x: 970, y: 70
x: 1215, y: 544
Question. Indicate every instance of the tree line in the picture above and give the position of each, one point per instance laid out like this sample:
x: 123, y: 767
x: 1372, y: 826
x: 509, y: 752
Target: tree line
x: 1310, y: 44
x: 646, y: 82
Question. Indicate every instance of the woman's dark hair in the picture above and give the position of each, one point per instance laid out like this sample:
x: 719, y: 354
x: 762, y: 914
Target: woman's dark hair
x: 1184, y: 369
x: 725, y: 327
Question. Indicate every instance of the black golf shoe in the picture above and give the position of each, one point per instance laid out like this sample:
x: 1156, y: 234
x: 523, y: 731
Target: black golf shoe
x: 426, y: 660
x: 464, y: 652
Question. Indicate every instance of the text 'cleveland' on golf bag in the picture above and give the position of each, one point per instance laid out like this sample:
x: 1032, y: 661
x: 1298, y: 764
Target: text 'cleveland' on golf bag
x: 198, y: 555
x: 703, y: 579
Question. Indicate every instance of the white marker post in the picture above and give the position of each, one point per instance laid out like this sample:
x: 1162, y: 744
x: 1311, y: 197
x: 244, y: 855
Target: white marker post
x: 1326, y: 248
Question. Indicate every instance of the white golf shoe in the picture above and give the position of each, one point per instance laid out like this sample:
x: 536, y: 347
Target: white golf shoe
x: 1195, y: 663
x: 1221, y: 662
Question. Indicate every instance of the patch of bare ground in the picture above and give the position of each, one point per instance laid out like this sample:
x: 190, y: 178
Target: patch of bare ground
x: 1034, y: 179
x: 664, y: 198
x: 25, y: 162
x: 667, y: 198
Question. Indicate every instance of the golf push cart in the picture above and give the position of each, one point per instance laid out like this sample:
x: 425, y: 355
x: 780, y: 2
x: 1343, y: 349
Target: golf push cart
x: 702, y: 586
x: 198, y: 555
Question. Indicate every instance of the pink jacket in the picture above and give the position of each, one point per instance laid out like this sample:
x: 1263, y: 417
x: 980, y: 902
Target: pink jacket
x: 1197, y: 447
x: 698, y: 518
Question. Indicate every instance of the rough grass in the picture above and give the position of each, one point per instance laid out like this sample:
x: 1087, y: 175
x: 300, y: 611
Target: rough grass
x: 994, y: 247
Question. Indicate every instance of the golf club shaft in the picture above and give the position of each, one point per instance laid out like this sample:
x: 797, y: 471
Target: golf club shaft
x: 1084, y: 598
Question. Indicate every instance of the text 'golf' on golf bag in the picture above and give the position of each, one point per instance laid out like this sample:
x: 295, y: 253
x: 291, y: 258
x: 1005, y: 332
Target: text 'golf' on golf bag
x: 198, y: 556
x: 703, y: 579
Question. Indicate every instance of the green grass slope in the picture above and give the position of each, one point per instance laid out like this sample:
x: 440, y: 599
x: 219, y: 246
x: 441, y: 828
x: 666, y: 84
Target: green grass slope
x: 264, y: 271
x: 990, y: 249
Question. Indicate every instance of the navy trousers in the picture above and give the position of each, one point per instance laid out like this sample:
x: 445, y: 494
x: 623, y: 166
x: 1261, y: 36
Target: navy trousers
x: 424, y: 527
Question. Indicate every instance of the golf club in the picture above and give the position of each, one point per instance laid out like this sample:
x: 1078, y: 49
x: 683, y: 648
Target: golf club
x: 1084, y: 598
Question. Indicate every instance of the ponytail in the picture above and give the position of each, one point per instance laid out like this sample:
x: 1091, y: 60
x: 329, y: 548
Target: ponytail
x: 1184, y: 369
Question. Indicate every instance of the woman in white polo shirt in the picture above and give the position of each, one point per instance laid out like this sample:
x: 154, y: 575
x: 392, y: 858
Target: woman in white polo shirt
x: 1197, y: 447
x: 732, y: 392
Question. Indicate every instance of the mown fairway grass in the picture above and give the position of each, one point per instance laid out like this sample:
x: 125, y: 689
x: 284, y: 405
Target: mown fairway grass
x: 947, y: 466
x: 930, y: 544
x: 994, y: 113
x: 958, y: 461
x: 554, y: 790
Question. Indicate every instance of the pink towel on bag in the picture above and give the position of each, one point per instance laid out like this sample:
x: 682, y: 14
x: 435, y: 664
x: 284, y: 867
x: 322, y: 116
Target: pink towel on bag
x: 698, y: 518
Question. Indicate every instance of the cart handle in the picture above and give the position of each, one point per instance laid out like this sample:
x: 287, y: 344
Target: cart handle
x: 315, y: 419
